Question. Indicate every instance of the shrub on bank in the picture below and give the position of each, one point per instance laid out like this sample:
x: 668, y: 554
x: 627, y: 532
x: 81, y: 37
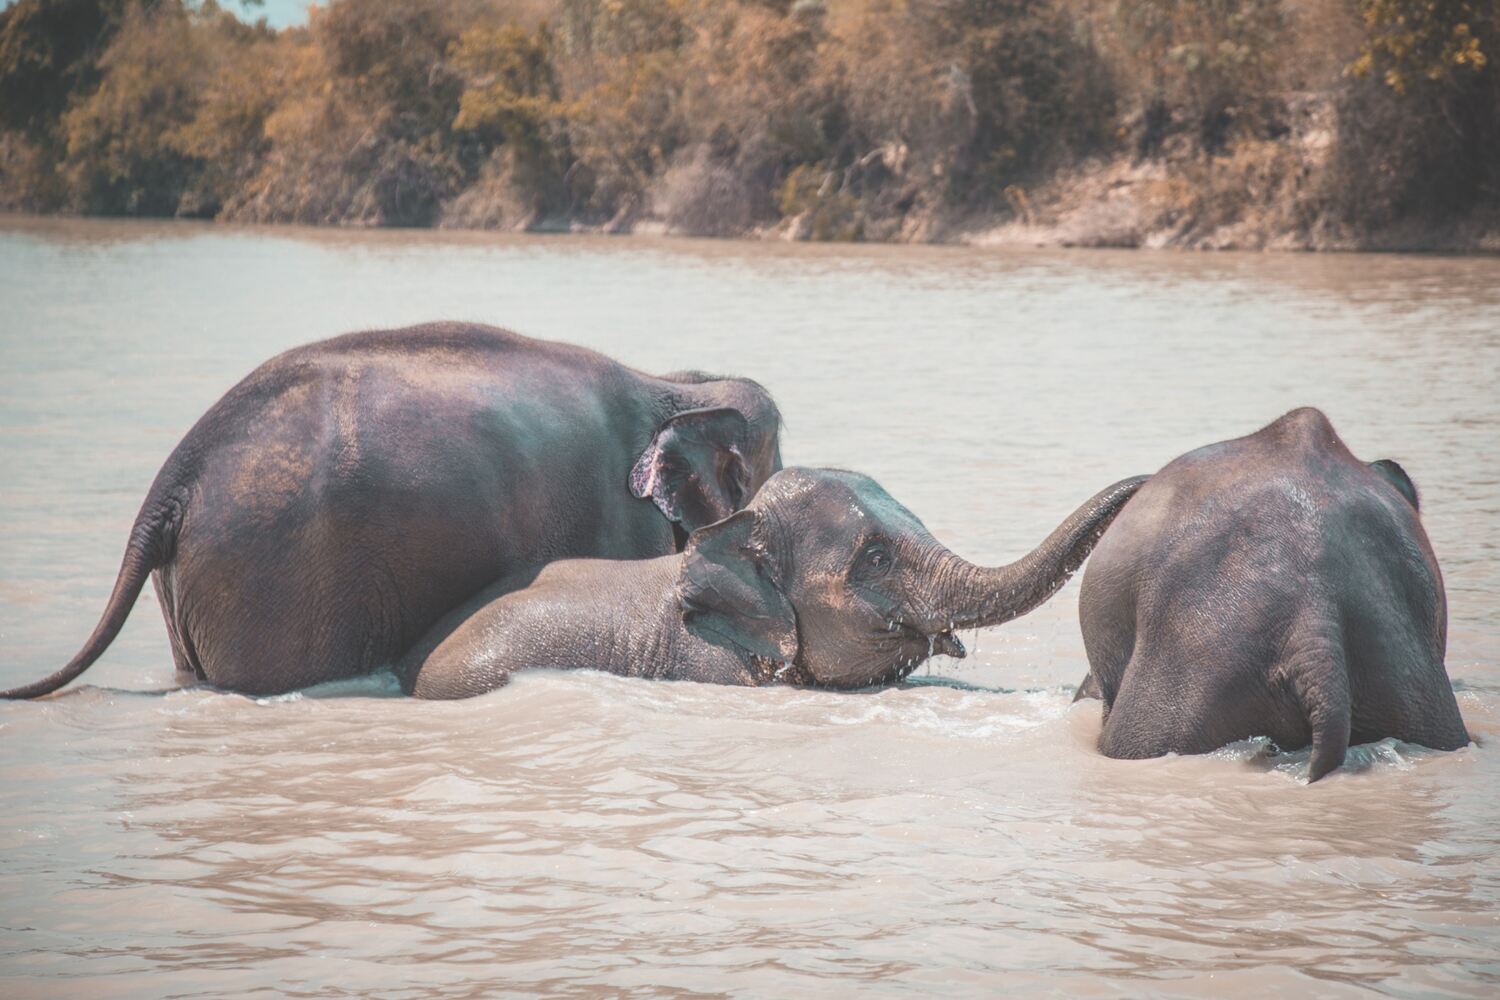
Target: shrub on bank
x: 1419, y: 118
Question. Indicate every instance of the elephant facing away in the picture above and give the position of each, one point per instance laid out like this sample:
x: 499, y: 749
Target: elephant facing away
x: 823, y: 580
x: 1273, y: 585
x: 335, y: 504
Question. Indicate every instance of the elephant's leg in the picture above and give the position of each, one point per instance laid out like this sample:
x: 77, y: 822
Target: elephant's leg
x: 1144, y: 716
x: 1401, y: 689
x: 280, y: 618
x: 470, y: 651
x: 462, y: 664
x: 189, y: 669
x: 450, y: 681
x: 1180, y: 699
x: 1107, y: 616
x: 269, y: 648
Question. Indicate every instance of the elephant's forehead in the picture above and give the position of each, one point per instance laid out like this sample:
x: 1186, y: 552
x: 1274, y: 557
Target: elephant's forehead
x: 835, y: 501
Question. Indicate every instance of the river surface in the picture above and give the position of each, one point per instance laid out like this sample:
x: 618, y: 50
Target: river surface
x: 585, y: 835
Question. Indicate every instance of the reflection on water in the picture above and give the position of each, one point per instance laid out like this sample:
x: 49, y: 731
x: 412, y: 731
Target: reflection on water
x: 590, y: 835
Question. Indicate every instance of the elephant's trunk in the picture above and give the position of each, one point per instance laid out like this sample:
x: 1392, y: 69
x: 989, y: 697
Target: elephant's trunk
x: 970, y: 596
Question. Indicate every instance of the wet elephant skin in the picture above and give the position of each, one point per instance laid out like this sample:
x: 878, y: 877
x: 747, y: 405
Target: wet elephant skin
x: 823, y: 580
x: 1273, y: 585
x: 337, y: 502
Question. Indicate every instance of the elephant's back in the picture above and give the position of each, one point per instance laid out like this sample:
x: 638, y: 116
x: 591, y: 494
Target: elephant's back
x: 1286, y: 482
x: 447, y: 362
x: 410, y: 405
x: 1273, y: 520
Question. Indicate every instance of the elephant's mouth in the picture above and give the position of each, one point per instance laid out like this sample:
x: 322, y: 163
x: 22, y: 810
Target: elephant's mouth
x: 921, y: 646
x: 948, y: 644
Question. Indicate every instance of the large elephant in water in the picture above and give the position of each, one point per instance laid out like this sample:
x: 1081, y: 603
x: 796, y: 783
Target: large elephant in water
x: 330, y: 508
x: 822, y: 580
x: 1273, y: 585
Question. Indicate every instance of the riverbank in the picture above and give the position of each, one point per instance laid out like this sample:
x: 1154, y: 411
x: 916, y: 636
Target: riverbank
x: 1262, y: 195
x: 1259, y: 198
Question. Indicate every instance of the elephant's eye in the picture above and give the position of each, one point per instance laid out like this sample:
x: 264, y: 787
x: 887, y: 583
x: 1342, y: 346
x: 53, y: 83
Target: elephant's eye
x: 875, y: 561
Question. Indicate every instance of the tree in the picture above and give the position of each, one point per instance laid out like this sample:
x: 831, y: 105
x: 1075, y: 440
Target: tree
x: 1419, y: 123
x: 49, y: 51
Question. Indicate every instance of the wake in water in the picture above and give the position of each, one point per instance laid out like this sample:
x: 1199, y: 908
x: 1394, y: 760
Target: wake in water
x: 382, y: 684
x: 1264, y: 755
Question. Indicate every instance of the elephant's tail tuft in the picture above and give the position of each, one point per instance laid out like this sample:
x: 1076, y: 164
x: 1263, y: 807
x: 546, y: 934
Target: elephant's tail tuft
x: 1320, y: 678
x: 150, y: 545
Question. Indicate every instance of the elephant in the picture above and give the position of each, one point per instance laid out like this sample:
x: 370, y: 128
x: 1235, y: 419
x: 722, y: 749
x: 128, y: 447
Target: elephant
x: 823, y: 580
x: 343, y: 497
x: 1273, y: 585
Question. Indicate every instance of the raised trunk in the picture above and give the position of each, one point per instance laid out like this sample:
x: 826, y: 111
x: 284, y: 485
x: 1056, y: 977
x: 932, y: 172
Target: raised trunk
x: 970, y: 596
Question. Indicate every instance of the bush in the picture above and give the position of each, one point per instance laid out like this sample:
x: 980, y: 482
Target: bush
x: 820, y: 208
x: 49, y: 52
x: 1419, y: 120
x: 624, y: 74
x: 510, y: 103
x: 955, y: 102
x: 364, y: 133
x: 1214, y: 63
x: 240, y: 85
x: 762, y: 100
x: 123, y: 154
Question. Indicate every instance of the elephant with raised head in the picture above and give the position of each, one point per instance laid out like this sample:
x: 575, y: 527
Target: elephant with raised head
x: 823, y: 580
x: 1273, y: 585
x: 335, y: 504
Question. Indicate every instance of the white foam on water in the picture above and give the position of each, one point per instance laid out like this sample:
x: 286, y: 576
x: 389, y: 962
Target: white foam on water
x: 1386, y: 754
x: 382, y: 684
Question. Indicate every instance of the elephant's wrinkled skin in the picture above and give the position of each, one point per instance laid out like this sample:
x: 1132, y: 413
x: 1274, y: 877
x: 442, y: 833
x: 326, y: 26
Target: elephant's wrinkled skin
x: 822, y: 580
x: 1273, y: 586
x: 347, y: 494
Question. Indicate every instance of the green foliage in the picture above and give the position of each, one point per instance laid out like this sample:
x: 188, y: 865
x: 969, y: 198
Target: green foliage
x: 510, y: 87
x: 762, y: 97
x: 242, y: 85
x: 1435, y: 40
x: 623, y: 27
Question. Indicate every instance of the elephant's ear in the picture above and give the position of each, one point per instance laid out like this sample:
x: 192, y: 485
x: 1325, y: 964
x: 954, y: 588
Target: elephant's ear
x: 694, y: 469
x: 729, y: 592
x: 1399, y: 479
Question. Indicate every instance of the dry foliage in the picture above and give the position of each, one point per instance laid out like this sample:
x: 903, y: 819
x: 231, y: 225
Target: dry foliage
x: 834, y: 119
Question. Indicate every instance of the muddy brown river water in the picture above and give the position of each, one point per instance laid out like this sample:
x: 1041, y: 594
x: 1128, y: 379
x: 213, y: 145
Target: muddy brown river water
x: 583, y: 835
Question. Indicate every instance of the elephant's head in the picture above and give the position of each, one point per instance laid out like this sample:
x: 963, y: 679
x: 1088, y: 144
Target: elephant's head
x: 707, y: 461
x: 825, y: 571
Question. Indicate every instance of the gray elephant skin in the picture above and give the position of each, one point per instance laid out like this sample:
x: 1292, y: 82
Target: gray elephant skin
x: 823, y: 580
x: 1275, y: 586
x: 335, y: 504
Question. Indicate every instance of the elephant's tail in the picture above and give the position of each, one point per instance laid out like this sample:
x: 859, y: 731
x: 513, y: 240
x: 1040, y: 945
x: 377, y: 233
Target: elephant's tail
x: 1320, y: 678
x: 150, y: 545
